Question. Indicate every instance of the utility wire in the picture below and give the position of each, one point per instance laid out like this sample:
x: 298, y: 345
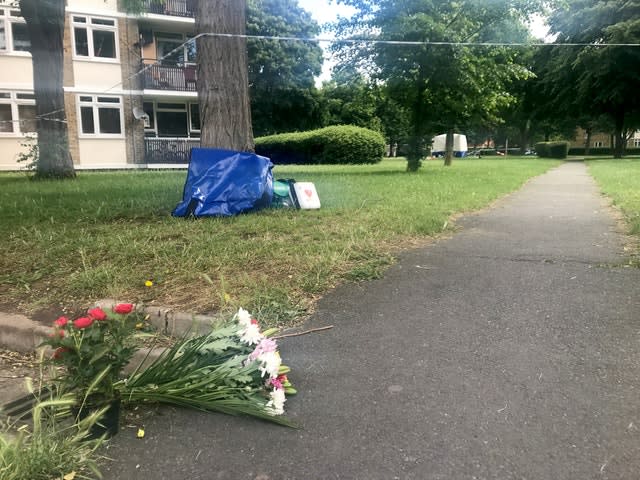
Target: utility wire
x: 351, y: 41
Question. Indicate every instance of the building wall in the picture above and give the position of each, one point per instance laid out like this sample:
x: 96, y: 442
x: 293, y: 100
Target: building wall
x: 84, y: 76
x: 597, y: 139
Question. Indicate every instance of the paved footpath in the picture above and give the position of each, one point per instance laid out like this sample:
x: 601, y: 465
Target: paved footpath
x: 509, y: 351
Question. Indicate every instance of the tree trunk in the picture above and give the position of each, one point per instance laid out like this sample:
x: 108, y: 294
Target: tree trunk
x: 448, y: 156
x: 223, y: 79
x: 587, y: 142
x: 618, y: 148
x: 45, y: 27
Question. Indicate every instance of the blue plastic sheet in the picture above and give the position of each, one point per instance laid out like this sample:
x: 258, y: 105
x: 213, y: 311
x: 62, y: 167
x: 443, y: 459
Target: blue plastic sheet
x: 225, y: 183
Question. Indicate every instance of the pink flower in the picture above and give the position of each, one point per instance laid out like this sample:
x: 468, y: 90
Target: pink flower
x: 97, y: 314
x: 123, y: 308
x: 266, y: 345
x: 275, y: 383
x: 61, y: 322
x: 83, y: 322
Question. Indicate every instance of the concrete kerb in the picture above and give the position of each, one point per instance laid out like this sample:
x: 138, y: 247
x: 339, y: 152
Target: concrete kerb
x: 21, y: 334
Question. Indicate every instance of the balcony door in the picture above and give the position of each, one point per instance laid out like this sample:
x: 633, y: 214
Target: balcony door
x: 171, y: 49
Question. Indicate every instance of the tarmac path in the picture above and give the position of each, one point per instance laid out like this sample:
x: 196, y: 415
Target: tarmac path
x: 509, y: 351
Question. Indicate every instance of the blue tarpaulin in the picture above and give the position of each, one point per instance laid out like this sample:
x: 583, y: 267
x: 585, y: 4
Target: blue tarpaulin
x: 225, y: 183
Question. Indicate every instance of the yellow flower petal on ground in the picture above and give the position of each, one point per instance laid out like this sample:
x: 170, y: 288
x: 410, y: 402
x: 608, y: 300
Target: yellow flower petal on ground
x: 140, y: 433
x: 69, y: 476
x: 227, y: 298
x: 148, y: 283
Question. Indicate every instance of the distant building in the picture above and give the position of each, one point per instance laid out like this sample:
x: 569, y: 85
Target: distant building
x: 601, y: 140
x: 129, y: 83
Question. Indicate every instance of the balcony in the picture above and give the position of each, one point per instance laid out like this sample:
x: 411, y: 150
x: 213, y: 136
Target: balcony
x: 169, y: 76
x: 175, y: 8
x: 169, y: 150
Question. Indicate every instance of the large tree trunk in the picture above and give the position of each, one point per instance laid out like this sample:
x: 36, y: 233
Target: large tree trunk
x: 45, y: 26
x: 223, y: 80
x: 448, y: 156
x: 619, y: 137
x: 587, y: 141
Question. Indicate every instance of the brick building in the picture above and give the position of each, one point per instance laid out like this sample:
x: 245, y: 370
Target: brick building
x: 129, y: 84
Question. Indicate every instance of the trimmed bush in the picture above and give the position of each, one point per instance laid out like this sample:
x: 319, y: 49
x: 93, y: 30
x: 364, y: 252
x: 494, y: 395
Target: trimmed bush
x: 340, y: 144
x: 601, y: 151
x: 552, y: 149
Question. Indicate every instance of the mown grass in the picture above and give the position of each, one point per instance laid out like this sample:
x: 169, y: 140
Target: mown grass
x: 620, y: 180
x: 104, y: 234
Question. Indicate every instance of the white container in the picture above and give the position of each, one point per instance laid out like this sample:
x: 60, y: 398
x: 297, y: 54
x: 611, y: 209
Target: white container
x: 307, y: 196
x: 459, y: 144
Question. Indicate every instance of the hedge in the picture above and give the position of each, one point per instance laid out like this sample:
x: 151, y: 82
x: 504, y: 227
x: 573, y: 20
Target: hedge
x: 552, y: 149
x: 340, y: 144
x: 601, y: 151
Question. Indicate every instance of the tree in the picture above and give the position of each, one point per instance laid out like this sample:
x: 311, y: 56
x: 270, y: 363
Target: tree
x: 282, y: 73
x: 598, y: 78
x: 445, y: 85
x: 45, y: 27
x: 223, y: 78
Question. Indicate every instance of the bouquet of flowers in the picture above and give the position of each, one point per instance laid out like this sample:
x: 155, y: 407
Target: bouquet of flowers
x: 93, y: 349
x: 234, y: 369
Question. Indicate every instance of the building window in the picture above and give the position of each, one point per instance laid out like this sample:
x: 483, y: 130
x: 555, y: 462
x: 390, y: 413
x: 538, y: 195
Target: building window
x: 175, y: 120
x: 636, y: 142
x: 598, y: 144
x: 17, y: 112
x: 13, y: 31
x: 95, y: 37
x: 171, y: 49
x: 194, y: 117
x: 100, y: 115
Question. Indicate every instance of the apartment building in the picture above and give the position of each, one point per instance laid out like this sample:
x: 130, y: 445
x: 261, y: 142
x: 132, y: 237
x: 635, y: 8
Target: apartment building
x: 601, y: 140
x: 129, y: 83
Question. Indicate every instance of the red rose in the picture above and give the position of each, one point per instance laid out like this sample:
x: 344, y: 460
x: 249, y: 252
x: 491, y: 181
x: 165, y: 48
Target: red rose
x: 83, y: 322
x: 97, y: 314
x: 61, y: 322
x: 123, y: 308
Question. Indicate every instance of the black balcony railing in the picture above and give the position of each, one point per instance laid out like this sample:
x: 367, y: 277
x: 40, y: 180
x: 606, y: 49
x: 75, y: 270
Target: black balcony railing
x: 176, y: 8
x: 169, y: 150
x: 166, y: 76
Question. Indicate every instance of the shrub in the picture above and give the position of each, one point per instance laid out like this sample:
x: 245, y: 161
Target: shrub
x: 601, y: 151
x: 331, y: 145
x: 552, y: 149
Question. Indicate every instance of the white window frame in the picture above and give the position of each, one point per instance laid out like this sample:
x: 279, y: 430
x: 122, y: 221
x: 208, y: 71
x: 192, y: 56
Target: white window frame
x: 96, y: 105
x: 191, y: 128
x: 14, y: 102
x: 598, y: 144
x: 90, y: 28
x: 636, y: 143
x: 7, y: 20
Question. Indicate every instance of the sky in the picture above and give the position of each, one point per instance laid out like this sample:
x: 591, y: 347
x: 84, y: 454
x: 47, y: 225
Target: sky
x: 324, y: 11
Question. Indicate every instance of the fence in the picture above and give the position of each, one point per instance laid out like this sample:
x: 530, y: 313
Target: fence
x: 167, y: 76
x: 176, y: 8
x: 169, y: 150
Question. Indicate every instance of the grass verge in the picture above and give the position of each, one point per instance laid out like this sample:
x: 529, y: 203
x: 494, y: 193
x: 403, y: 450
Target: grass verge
x: 619, y: 180
x: 105, y: 234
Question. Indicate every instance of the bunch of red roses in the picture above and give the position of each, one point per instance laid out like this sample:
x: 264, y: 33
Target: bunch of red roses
x: 94, y: 348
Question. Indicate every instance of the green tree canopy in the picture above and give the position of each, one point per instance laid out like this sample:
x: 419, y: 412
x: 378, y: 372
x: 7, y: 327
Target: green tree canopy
x: 445, y: 84
x: 281, y: 73
x: 598, y: 78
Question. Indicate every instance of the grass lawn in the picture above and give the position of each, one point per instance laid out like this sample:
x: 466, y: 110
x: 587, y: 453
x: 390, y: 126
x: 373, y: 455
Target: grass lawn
x: 66, y: 244
x: 620, y: 180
